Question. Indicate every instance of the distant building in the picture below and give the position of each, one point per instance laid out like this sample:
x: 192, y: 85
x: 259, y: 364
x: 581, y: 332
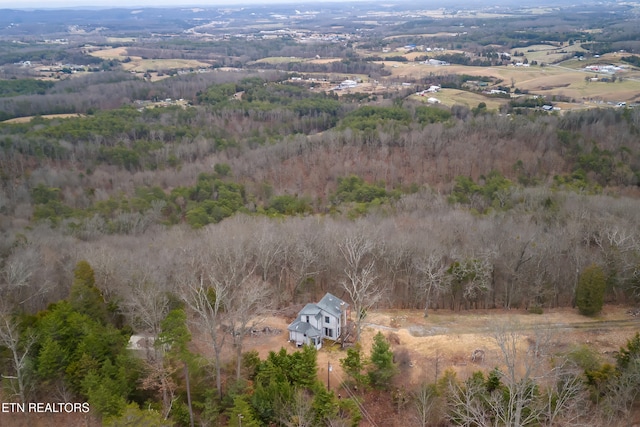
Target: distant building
x: 347, y: 84
x: 436, y: 62
x: 432, y: 89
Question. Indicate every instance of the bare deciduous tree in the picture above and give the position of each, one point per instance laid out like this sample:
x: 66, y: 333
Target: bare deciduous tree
x: 159, y: 378
x: 357, y: 249
x: 622, y: 394
x: 220, y: 287
x: 267, y: 246
x: 206, y: 301
x: 302, y: 258
x: 19, y: 347
x: 523, y: 359
x: 566, y: 397
x: 245, y: 307
x: 433, y: 278
x: 146, y: 303
x: 18, y: 275
x: 299, y: 411
x: 466, y: 404
x: 426, y: 402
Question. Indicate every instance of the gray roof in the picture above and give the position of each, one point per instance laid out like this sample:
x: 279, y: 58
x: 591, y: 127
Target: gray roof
x: 310, y: 310
x: 304, y: 328
x: 332, y: 305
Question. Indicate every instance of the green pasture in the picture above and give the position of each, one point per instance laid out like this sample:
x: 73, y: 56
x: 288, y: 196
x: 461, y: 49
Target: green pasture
x: 279, y: 59
x: 451, y: 97
x: 548, y: 54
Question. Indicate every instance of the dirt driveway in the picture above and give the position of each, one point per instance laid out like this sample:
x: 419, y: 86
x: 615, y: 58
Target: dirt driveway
x: 425, y: 347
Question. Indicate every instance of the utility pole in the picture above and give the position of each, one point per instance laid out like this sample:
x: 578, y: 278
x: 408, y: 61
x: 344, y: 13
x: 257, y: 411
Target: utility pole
x: 329, y: 376
x: 240, y: 417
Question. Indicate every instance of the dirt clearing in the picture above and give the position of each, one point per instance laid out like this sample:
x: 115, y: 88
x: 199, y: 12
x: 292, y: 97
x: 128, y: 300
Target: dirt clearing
x: 425, y: 347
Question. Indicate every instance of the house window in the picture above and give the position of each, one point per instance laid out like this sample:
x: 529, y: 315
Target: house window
x: 328, y: 332
x: 326, y: 319
x: 307, y: 319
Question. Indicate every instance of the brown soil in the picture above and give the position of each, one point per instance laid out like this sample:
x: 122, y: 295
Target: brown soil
x: 424, y: 348
x: 447, y: 339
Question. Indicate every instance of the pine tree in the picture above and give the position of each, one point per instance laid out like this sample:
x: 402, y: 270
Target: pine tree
x: 590, y: 291
x: 85, y: 298
x: 353, y: 364
x: 382, y: 366
x: 241, y: 414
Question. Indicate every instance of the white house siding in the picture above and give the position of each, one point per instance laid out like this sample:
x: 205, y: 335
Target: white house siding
x: 301, y: 339
x: 324, y: 320
x: 316, y: 323
x: 334, y: 325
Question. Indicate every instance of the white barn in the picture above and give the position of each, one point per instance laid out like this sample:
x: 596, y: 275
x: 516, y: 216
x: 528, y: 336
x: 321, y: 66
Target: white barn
x: 347, y: 84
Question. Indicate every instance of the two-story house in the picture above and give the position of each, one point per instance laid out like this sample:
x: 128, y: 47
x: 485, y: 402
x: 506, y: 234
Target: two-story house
x: 325, y: 320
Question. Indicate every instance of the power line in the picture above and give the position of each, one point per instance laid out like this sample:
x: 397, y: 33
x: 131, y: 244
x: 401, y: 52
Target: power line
x: 355, y: 399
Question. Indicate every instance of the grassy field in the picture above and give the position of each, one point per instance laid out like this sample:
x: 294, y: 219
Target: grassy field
x: 111, y: 53
x: 550, y: 80
x: 27, y: 119
x: 288, y: 59
x: 440, y: 34
x: 279, y: 60
x: 548, y: 54
x: 567, y: 79
x: 541, y: 10
x: 121, y: 39
x: 142, y: 65
x: 323, y: 60
x: 451, y: 97
x: 505, y: 73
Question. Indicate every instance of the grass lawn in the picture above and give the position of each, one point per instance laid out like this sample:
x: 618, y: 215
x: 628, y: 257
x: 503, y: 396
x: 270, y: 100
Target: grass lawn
x: 27, y: 119
x: 451, y: 97
x: 279, y: 60
x: 142, y: 65
x: 111, y: 53
x: 546, y: 53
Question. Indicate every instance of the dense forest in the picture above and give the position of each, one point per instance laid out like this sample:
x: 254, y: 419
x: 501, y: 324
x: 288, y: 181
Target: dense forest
x: 187, y: 209
x: 129, y: 220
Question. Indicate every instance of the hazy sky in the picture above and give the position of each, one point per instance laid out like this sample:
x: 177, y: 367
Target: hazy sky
x: 23, y: 4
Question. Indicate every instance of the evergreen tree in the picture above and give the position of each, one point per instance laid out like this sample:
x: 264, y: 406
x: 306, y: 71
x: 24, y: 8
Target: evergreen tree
x: 133, y: 416
x: 353, y: 364
x: 629, y: 354
x: 85, y: 298
x: 590, y: 290
x: 241, y: 414
x: 174, y: 339
x: 382, y: 366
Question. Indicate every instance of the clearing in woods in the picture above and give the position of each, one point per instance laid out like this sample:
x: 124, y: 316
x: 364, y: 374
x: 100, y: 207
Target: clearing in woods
x: 447, y: 339
x: 425, y: 347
